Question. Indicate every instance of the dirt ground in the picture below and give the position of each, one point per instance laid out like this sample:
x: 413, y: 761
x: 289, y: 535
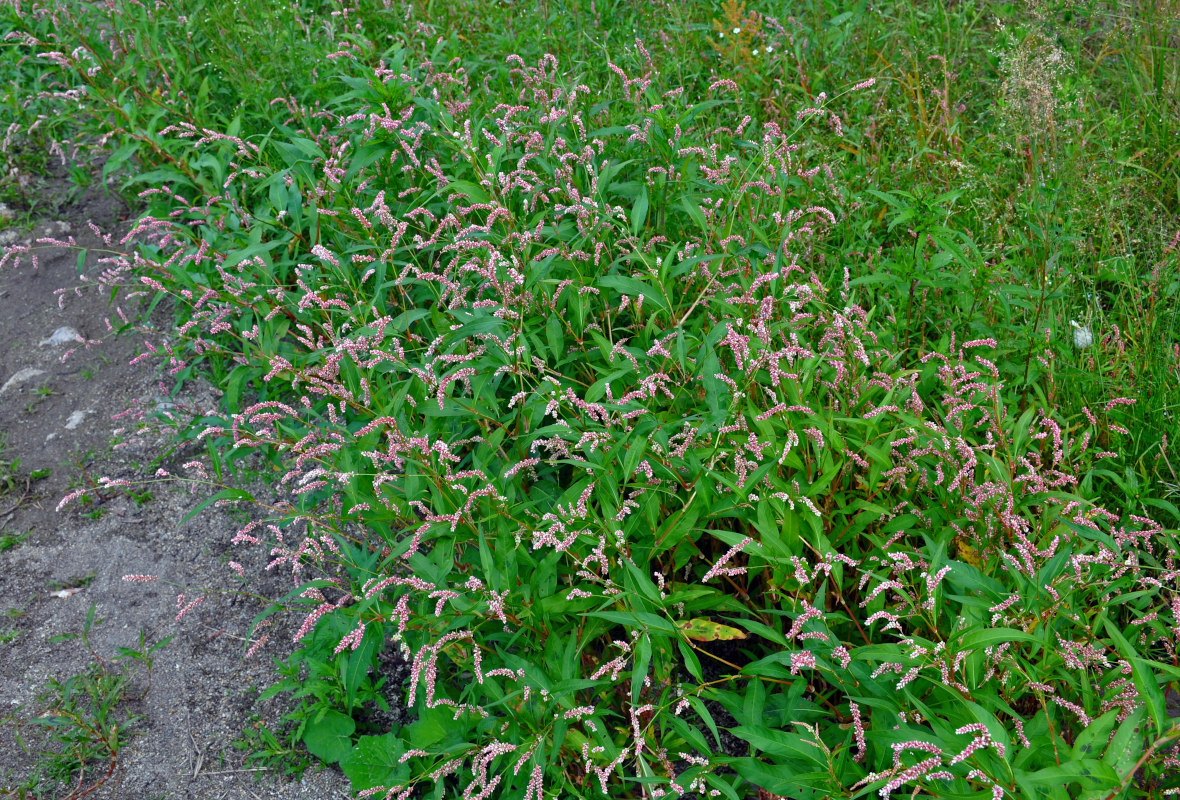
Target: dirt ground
x: 61, y: 416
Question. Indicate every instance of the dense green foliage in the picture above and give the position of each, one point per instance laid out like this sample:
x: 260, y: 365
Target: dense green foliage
x: 699, y: 400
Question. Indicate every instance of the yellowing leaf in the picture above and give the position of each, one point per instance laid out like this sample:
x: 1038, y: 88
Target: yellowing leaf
x: 705, y: 630
x: 967, y: 553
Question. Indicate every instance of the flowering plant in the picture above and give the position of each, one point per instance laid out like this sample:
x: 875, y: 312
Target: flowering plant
x: 568, y: 419
x: 561, y: 402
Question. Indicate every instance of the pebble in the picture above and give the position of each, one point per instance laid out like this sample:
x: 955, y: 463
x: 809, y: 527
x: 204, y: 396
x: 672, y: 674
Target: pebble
x: 62, y: 336
x: 26, y: 374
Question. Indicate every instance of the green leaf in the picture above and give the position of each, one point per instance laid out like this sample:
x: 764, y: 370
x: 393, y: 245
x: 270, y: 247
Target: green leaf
x: 297, y: 149
x: 477, y: 327
x: 720, y: 783
x: 432, y: 726
x: 1092, y: 740
x: 329, y: 738
x: 642, y: 661
x: 374, y: 762
x: 119, y: 158
x: 357, y: 662
x: 1126, y: 746
x: 1144, y: 678
x: 692, y: 735
x: 765, y: 631
x: 235, y: 257
x: 1090, y: 773
x: 702, y: 710
x: 689, y: 204
x: 639, y: 211
x: 635, y: 619
x: 634, y: 288
x: 691, y: 662
x: 988, y: 637
x: 779, y: 743
x: 781, y: 781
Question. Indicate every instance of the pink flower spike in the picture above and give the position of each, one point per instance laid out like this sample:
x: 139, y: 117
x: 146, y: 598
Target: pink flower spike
x: 720, y: 569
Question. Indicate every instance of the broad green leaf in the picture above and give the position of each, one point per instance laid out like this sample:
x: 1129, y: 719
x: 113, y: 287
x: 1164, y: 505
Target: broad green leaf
x: 691, y: 662
x: 1090, y: 773
x: 1092, y: 740
x: 119, y: 158
x: 1144, y: 678
x: 1126, y: 746
x: 639, y: 212
x: 329, y: 738
x: 634, y: 288
x: 374, y: 762
x: 780, y: 743
x: 357, y: 662
x: 635, y: 619
x: 989, y: 637
x: 702, y: 710
x: 782, y: 781
x: 642, y: 652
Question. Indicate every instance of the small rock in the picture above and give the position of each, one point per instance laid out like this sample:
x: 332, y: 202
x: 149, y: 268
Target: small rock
x: 75, y: 419
x: 61, y: 336
x: 26, y: 374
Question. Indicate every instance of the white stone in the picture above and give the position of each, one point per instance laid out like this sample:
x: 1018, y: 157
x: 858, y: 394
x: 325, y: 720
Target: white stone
x: 61, y: 336
x: 26, y: 374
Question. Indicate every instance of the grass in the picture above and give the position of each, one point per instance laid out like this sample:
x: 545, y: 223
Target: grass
x: 42, y: 393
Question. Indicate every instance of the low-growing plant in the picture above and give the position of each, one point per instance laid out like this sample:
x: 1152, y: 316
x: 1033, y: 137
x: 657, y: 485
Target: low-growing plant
x: 10, y: 539
x: 81, y: 722
x: 11, y: 630
x: 280, y: 751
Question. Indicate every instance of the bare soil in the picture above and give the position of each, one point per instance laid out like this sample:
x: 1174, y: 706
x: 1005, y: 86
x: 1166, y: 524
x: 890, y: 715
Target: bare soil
x: 68, y: 416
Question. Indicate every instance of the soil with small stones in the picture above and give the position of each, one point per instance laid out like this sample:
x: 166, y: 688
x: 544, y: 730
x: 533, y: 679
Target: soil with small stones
x: 69, y: 417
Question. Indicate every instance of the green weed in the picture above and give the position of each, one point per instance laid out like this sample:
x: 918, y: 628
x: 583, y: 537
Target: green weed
x: 9, y: 540
x: 81, y: 722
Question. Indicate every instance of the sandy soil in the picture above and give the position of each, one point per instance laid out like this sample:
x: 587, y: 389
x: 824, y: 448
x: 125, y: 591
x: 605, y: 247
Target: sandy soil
x: 60, y: 416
